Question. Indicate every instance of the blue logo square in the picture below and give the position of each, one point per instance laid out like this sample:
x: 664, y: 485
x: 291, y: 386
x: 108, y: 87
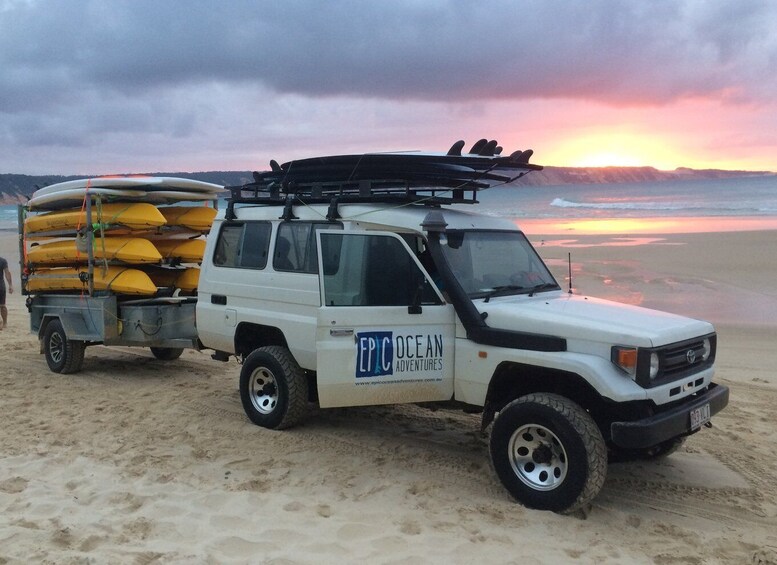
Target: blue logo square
x: 374, y: 354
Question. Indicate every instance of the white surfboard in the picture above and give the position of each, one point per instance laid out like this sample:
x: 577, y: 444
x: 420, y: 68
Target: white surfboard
x: 133, y: 182
x: 158, y: 196
x: 99, y: 182
x: 177, y: 183
x: 72, y: 196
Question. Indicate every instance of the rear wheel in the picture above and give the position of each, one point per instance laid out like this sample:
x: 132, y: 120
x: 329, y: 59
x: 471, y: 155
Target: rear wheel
x: 63, y: 355
x: 167, y: 353
x: 548, y: 453
x: 273, y: 388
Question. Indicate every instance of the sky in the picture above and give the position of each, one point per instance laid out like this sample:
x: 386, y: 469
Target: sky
x: 121, y: 86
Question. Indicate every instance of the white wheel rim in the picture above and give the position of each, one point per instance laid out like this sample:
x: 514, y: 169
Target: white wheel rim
x: 537, y: 457
x: 263, y: 389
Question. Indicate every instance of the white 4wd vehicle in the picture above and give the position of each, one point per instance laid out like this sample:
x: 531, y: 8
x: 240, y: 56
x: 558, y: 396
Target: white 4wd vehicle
x: 348, y: 281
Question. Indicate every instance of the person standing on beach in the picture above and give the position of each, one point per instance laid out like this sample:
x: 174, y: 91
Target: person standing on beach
x: 7, y: 274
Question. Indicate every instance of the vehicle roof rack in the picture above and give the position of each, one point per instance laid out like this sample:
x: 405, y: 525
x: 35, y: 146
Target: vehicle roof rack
x: 401, y: 177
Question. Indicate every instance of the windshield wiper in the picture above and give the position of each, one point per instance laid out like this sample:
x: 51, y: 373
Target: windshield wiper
x: 497, y: 290
x: 543, y: 286
x: 500, y: 289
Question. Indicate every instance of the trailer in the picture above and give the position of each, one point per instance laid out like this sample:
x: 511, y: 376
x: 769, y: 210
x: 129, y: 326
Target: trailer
x: 67, y: 324
x: 83, y: 313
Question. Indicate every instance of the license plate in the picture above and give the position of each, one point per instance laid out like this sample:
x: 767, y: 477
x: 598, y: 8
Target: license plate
x: 700, y: 416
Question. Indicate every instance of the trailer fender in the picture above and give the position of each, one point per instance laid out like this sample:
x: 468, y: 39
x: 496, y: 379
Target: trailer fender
x: 74, y: 324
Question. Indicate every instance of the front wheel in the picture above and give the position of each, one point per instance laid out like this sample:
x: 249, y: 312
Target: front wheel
x: 548, y: 452
x: 273, y: 388
x: 63, y: 355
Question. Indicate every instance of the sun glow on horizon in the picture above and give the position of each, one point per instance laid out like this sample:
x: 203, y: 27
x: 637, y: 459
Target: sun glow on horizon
x: 608, y: 159
x: 615, y: 149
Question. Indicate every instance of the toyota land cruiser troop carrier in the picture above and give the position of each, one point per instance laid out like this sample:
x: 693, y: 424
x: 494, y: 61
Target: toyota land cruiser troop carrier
x: 354, y: 280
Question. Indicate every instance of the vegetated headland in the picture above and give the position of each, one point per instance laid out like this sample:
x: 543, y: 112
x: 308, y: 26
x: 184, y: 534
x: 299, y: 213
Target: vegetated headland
x: 15, y: 188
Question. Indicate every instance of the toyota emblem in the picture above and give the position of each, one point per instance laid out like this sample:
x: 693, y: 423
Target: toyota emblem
x: 690, y: 355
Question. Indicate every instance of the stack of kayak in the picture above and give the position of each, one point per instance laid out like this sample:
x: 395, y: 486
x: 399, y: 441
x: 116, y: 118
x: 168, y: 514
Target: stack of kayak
x: 146, y: 236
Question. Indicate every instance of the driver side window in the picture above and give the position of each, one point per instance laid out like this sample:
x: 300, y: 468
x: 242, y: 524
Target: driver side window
x: 373, y: 270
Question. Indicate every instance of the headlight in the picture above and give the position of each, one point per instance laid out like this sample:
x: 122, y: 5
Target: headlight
x: 707, y: 349
x: 626, y: 359
x: 654, y: 365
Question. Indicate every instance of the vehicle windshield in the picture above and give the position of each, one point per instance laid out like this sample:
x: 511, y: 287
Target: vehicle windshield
x: 495, y: 263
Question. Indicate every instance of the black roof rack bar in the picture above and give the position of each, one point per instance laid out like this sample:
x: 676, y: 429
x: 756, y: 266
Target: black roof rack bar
x: 364, y: 191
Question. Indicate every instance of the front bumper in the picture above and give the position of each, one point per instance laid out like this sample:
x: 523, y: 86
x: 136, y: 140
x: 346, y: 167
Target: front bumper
x: 673, y: 423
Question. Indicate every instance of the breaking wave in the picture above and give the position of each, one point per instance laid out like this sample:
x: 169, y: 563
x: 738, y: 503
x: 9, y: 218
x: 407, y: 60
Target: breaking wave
x: 719, y: 207
x: 563, y: 203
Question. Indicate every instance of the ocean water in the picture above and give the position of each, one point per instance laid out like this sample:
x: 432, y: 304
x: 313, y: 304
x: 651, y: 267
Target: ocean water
x: 743, y: 197
x: 739, y: 197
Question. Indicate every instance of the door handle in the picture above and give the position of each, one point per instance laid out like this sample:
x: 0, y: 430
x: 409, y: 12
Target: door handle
x: 218, y: 299
x: 340, y: 333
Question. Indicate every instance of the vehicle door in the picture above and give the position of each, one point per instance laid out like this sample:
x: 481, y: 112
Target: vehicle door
x: 385, y: 334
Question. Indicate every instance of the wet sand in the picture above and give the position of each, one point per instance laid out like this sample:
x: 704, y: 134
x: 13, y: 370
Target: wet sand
x: 135, y: 460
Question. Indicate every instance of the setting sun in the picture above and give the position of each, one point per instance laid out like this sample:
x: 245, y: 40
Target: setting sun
x: 614, y: 149
x: 608, y: 159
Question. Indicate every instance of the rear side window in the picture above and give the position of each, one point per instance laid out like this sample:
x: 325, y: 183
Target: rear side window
x: 295, y: 246
x: 245, y: 245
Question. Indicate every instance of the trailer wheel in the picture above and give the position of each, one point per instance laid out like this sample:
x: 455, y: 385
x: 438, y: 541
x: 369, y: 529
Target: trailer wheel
x: 273, y: 388
x: 167, y: 353
x: 63, y: 355
x: 548, y: 453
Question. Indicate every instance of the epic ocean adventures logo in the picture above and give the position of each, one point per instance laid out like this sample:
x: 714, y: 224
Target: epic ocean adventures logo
x: 383, y: 353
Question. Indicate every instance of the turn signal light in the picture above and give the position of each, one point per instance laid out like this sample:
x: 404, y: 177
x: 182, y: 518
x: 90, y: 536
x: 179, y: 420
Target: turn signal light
x: 625, y: 358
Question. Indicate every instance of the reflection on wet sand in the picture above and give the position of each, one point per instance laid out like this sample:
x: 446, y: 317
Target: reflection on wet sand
x: 608, y: 242
x: 631, y: 226
x: 726, y: 278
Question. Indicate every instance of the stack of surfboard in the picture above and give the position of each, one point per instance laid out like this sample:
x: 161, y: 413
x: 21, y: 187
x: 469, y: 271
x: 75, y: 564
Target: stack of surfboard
x: 147, y: 235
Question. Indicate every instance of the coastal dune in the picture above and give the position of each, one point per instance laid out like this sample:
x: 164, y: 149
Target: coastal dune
x: 135, y: 460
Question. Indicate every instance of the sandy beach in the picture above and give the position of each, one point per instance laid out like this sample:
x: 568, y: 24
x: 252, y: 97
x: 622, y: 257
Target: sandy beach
x: 135, y: 460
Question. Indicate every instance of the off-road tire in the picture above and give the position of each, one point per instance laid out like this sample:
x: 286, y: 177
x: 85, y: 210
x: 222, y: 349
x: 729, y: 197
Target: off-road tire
x: 63, y: 355
x: 273, y: 388
x: 548, y: 452
x: 166, y: 353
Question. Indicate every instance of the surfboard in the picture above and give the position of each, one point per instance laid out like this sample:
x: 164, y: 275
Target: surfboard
x: 160, y: 190
x: 70, y: 197
x: 185, y: 279
x: 98, y: 182
x: 172, y: 196
x: 131, y: 182
x: 184, y: 250
x: 197, y: 218
x: 190, y: 185
x: 137, y: 215
x: 121, y: 280
x: 133, y: 250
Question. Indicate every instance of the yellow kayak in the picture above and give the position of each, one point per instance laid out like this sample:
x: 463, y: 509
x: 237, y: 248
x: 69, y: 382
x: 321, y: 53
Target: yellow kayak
x: 134, y: 250
x: 138, y: 215
x: 184, y: 250
x: 184, y: 279
x: 120, y: 280
x: 197, y: 218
